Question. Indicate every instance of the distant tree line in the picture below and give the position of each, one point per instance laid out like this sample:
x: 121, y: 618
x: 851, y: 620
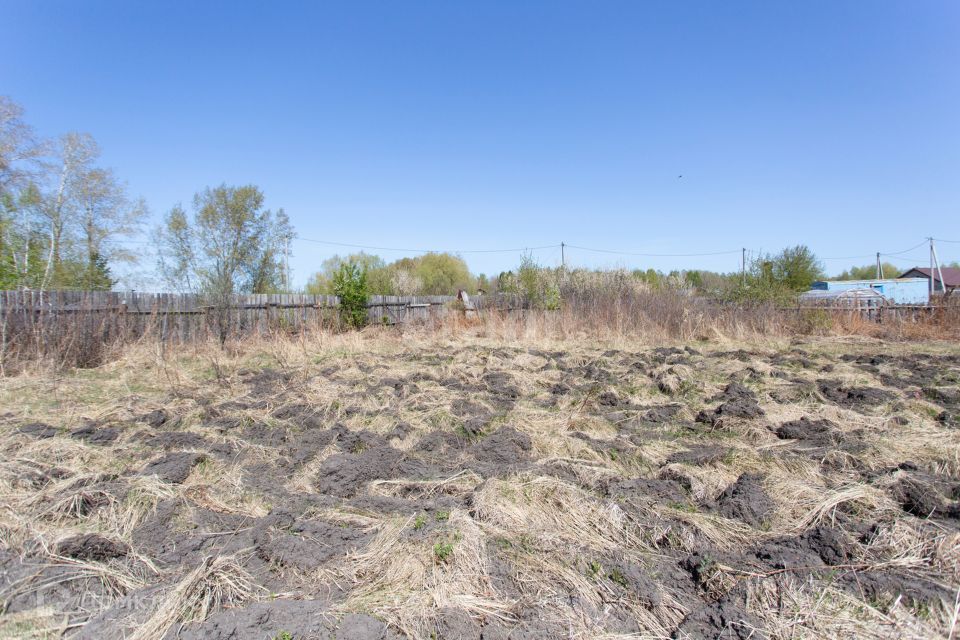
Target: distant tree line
x: 428, y: 274
x: 61, y: 212
x: 869, y: 271
x: 769, y: 278
x: 775, y: 278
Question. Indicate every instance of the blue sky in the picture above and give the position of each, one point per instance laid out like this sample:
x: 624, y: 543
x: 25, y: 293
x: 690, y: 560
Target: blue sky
x: 488, y: 125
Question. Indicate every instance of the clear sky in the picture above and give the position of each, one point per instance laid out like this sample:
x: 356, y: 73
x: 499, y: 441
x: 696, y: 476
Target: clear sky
x: 488, y: 125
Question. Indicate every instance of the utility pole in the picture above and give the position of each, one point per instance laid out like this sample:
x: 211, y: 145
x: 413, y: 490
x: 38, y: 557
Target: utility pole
x: 743, y: 266
x: 563, y: 257
x: 936, y: 263
x: 879, y: 267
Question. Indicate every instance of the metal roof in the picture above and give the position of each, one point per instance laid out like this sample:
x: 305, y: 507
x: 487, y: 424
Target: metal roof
x: 951, y: 275
x: 875, y: 281
x: 848, y: 296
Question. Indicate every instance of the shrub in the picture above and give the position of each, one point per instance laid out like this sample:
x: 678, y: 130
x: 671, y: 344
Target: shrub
x: 350, y: 285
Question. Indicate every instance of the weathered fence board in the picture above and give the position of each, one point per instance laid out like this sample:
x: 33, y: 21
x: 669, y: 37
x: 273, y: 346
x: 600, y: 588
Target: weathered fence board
x: 183, y: 317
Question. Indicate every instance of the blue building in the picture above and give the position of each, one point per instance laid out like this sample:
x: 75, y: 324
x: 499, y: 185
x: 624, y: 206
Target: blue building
x: 893, y: 290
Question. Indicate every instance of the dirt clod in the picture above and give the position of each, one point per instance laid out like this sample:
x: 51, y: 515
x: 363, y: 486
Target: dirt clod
x: 156, y: 418
x: 917, y: 498
x: 38, y: 430
x: 93, y: 434
x: 173, y: 467
x: 858, y: 398
x: 746, y: 500
x: 91, y: 546
x: 814, y: 432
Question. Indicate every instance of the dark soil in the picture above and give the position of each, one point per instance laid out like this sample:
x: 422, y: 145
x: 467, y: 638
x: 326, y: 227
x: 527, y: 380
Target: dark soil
x: 736, y: 391
x: 662, y: 413
x: 744, y: 408
x: 858, y: 398
x: 918, y: 498
x: 173, y: 467
x: 502, y: 384
x: 90, y: 546
x: 93, y: 434
x: 746, y: 500
x: 501, y: 450
x: 726, y: 618
x: 305, y: 544
x: 299, y: 618
x: 344, y: 474
x: 818, y: 546
x: 663, y: 491
x: 819, y: 433
x: 156, y: 418
x: 38, y: 430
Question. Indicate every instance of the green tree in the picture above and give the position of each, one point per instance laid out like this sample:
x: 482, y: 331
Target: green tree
x: 444, y: 274
x: 58, y: 208
x: 230, y: 245
x: 350, y: 285
x: 378, y: 277
x: 778, y: 278
x: 429, y: 274
x: 869, y: 272
x: 94, y: 275
x: 796, y: 268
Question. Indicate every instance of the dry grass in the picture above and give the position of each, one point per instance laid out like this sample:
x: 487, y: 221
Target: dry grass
x: 217, y: 582
x: 549, y: 536
x: 406, y: 581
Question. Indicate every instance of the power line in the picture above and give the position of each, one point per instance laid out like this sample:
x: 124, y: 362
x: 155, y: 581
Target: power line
x: 372, y: 248
x: 897, y: 253
x: 950, y: 241
x: 912, y: 261
x: 655, y: 255
x: 873, y: 255
x: 850, y: 257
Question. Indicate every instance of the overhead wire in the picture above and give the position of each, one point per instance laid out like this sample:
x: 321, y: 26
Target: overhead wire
x: 374, y: 248
x: 897, y: 253
x: 655, y: 255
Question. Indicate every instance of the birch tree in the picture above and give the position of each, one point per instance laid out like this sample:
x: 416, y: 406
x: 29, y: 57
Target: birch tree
x: 230, y: 245
x: 61, y: 213
x: 21, y: 163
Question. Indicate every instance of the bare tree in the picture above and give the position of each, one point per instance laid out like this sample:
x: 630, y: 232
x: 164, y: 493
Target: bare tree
x: 177, y: 259
x: 231, y: 244
x: 21, y: 162
x: 105, y: 213
x: 21, y: 154
x: 76, y: 153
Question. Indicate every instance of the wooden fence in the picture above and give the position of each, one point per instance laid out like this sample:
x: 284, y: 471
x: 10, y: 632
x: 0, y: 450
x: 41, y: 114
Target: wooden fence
x: 182, y: 317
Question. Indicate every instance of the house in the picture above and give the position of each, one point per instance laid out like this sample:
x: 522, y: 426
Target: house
x: 951, y: 277
x: 893, y: 290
